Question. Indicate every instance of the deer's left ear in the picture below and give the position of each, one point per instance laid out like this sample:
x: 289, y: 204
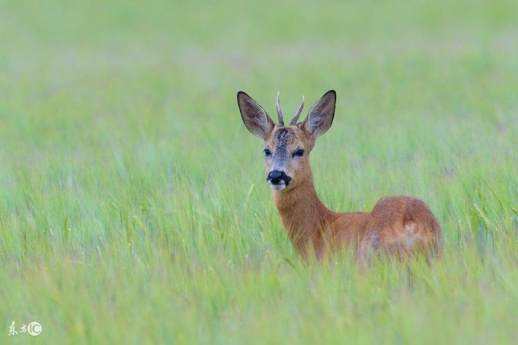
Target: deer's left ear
x: 321, y: 116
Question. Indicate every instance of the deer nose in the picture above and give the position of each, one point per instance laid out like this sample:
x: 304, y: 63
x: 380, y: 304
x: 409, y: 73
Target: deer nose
x: 275, y: 177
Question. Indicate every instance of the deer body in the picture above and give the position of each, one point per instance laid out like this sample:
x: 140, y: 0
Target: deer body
x: 400, y: 226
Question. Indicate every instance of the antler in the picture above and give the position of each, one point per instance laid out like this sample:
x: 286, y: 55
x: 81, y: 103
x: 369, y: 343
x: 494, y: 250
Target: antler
x: 295, y: 119
x: 280, y: 114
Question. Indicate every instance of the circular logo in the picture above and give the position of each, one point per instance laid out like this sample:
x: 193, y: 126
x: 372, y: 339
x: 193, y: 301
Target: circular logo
x: 34, y: 328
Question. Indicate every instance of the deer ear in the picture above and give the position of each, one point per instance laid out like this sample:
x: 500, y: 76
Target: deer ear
x: 254, y: 116
x: 321, y: 115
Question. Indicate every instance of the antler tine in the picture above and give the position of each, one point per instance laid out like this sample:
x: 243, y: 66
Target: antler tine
x: 280, y: 114
x: 295, y: 119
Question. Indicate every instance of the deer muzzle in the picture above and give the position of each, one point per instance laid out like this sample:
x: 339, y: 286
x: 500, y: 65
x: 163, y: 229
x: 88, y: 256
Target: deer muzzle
x: 278, y: 179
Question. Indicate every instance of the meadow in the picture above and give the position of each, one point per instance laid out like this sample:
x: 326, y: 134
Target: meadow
x: 133, y: 202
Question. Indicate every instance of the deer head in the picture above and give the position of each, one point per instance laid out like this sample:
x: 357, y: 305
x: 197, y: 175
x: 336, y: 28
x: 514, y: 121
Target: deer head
x: 287, y: 148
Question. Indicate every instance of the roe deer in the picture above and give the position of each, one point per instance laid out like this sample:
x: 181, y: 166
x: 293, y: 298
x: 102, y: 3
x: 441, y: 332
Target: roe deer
x: 398, y: 225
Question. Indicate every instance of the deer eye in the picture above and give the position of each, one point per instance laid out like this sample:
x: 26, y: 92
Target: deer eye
x: 267, y: 152
x: 298, y: 153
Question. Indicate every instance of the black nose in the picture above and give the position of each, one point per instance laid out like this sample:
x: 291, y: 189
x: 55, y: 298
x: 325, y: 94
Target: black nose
x: 277, y: 176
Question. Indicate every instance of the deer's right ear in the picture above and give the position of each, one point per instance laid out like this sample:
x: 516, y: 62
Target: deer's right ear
x: 254, y: 116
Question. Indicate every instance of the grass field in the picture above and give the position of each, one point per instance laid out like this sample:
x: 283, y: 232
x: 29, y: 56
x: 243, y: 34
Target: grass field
x: 133, y: 207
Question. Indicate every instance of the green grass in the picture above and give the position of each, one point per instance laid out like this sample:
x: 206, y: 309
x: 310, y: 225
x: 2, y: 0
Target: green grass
x: 133, y: 207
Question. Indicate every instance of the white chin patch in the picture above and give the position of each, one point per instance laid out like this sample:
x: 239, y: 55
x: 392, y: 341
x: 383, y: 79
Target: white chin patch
x: 279, y: 186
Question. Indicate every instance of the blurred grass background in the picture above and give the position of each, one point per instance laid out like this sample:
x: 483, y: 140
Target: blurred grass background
x: 133, y: 207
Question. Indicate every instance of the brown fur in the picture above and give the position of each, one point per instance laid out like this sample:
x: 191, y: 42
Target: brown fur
x: 400, y: 225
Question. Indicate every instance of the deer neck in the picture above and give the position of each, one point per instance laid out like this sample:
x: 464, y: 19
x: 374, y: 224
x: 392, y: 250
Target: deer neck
x: 303, y: 215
